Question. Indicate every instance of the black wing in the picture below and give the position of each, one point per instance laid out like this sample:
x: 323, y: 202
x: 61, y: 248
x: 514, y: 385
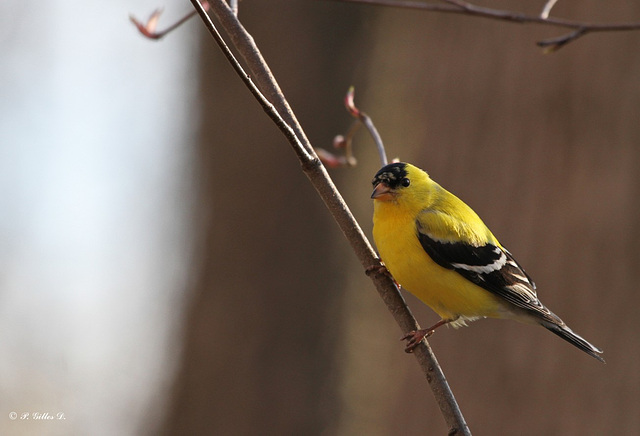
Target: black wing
x: 489, y: 266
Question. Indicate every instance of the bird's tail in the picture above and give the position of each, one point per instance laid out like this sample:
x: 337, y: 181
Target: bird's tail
x: 568, y: 335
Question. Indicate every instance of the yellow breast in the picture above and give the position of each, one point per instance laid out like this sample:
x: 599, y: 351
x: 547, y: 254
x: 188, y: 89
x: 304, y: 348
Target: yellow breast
x: 448, y: 293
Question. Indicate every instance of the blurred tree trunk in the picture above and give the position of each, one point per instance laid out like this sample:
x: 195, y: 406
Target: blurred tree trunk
x: 260, y: 332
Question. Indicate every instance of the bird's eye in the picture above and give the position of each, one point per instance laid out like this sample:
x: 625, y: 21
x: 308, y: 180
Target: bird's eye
x: 405, y: 182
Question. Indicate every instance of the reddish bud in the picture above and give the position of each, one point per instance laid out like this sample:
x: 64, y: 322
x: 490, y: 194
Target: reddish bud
x: 350, y: 104
x: 339, y: 141
x: 330, y: 160
x: 149, y: 29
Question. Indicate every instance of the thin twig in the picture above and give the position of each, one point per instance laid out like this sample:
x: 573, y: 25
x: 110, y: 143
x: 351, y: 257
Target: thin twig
x: 317, y: 174
x: 466, y: 8
x: 368, y: 123
x: 553, y: 44
x: 148, y: 29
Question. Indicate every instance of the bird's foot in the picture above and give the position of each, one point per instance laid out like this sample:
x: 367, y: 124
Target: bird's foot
x: 377, y: 269
x: 414, y: 338
x: 380, y: 269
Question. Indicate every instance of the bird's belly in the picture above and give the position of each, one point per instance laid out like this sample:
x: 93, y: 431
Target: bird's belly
x: 448, y: 293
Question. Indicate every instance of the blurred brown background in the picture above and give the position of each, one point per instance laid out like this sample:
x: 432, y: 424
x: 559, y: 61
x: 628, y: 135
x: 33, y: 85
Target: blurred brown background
x: 284, y: 333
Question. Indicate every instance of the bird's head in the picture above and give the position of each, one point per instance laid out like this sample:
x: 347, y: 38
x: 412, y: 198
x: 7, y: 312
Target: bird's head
x: 396, y: 180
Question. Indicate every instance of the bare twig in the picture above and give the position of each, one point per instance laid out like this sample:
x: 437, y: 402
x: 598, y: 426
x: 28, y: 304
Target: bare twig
x: 340, y: 142
x: 315, y: 171
x: 366, y: 120
x: 466, y: 8
x: 331, y: 160
x: 553, y: 44
x: 345, y: 141
x: 148, y: 29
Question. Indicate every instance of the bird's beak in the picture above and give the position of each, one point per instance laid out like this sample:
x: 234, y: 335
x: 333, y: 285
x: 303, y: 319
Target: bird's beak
x: 382, y: 192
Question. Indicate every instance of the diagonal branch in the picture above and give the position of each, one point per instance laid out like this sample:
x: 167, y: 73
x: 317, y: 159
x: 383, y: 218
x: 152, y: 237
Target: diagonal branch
x: 301, y: 150
x: 466, y: 8
x: 278, y: 109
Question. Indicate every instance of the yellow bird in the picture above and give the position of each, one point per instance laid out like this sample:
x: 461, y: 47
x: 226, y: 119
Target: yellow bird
x: 438, y: 248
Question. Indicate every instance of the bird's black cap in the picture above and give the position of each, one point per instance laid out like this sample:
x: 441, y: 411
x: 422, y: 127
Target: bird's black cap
x: 390, y: 175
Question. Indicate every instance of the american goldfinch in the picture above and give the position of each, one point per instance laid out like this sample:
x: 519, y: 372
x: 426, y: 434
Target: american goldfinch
x: 436, y: 247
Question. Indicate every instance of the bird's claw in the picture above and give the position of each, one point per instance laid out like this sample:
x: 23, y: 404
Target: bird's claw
x: 414, y: 338
x: 380, y: 269
x: 377, y: 269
